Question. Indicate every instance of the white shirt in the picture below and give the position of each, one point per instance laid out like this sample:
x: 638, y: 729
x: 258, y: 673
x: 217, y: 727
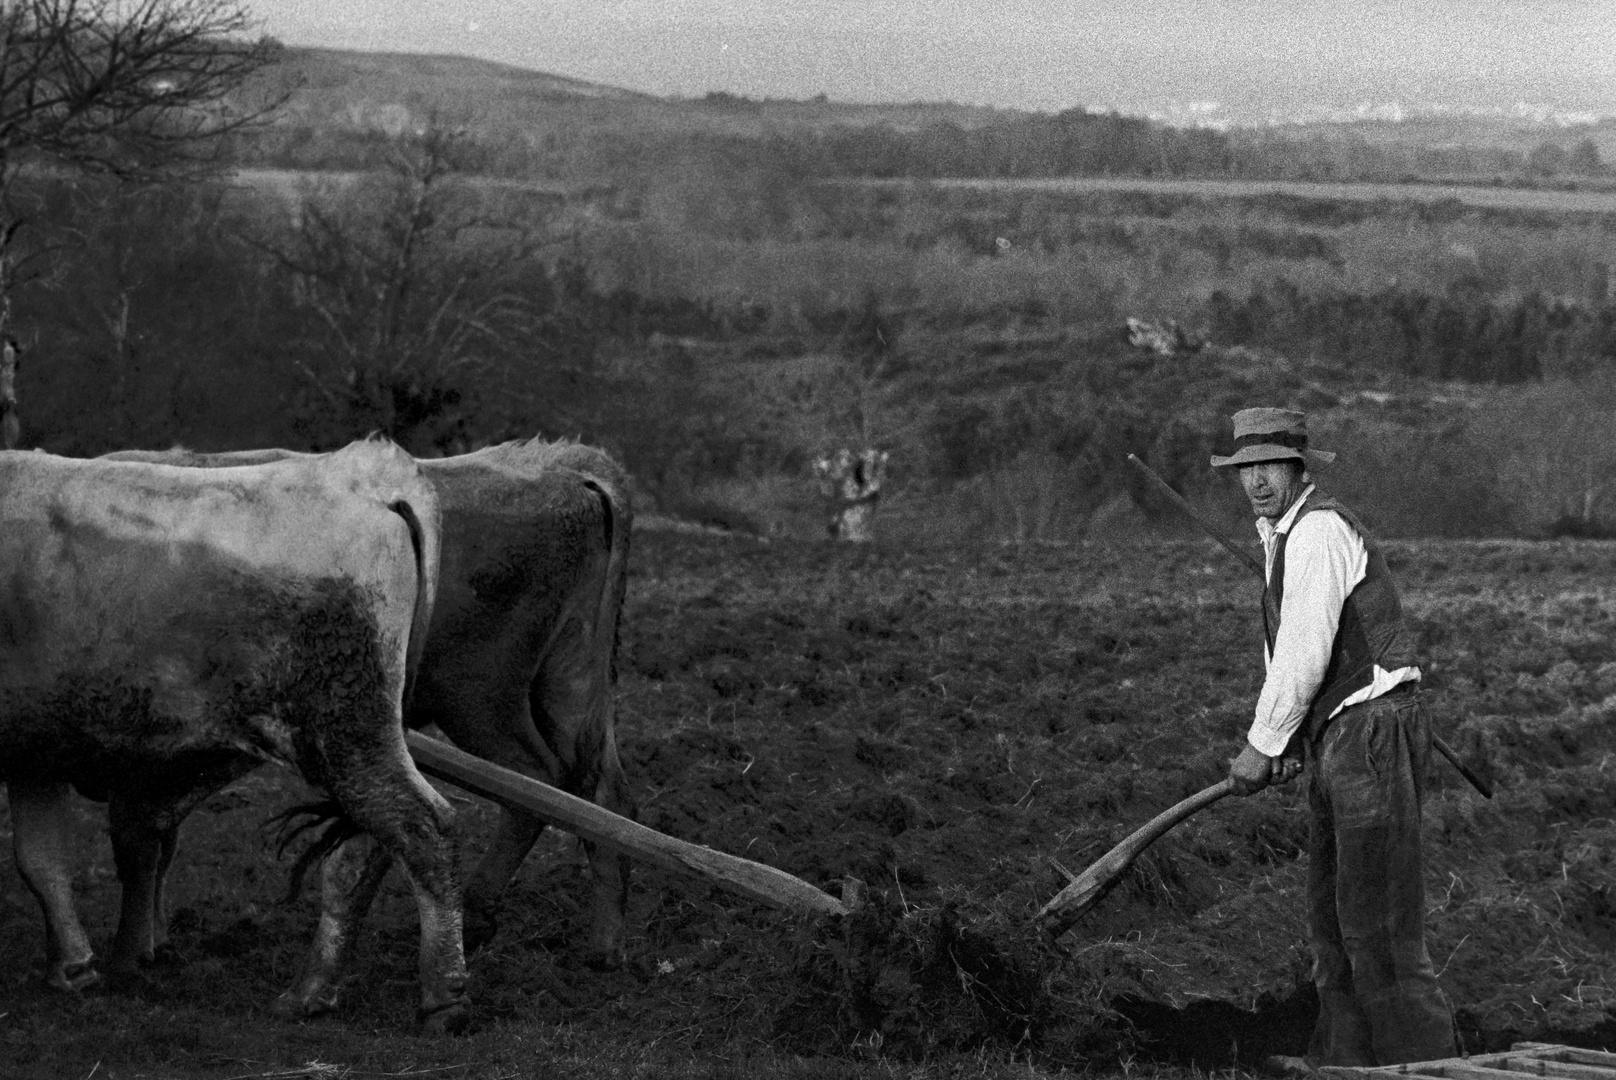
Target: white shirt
x: 1325, y: 559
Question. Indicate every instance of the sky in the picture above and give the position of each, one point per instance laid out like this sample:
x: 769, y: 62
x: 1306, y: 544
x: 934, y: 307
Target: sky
x: 1246, y: 60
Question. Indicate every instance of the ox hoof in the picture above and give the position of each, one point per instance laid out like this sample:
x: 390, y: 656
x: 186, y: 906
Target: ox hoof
x: 74, y: 978
x: 451, y: 1019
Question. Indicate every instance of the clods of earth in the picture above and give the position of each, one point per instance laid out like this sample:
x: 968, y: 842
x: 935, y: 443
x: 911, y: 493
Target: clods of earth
x: 951, y: 727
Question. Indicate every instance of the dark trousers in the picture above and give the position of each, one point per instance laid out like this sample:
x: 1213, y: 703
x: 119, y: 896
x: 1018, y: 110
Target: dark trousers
x: 1379, y: 1002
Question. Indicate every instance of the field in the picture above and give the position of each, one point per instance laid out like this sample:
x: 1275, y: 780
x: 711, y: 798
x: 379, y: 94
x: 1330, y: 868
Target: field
x: 940, y: 722
x: 1588, y: 197
x: 1574, y: 199
x: 700, y: 288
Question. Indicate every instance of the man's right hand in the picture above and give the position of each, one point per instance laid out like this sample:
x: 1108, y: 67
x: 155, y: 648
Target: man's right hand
x: 1251, y: 771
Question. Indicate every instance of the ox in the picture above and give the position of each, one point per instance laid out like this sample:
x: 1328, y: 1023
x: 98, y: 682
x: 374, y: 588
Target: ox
x: 165, y: 630
x: 518, y: 661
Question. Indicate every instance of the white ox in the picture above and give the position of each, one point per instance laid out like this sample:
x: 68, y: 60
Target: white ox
x: 518, y: 663
x: 165, y: 630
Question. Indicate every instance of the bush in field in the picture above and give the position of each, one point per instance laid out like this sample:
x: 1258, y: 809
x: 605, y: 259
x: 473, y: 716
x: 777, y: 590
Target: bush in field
x: 1555, y: 445
x: 1460, y: 335
x: 416, y: 289
x: 1478, y: 296
x: 1409, y: 481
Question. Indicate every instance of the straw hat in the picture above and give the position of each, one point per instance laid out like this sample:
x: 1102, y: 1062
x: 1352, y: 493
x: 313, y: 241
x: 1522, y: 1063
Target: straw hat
x: 1271, y: 435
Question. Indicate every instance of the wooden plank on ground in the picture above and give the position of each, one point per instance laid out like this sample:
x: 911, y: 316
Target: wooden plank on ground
x: 1554, y: 1065
x: 1570, y: 1054
x: 1511, y: 1068
x: 1522, y: 1059
x: 753, y: 879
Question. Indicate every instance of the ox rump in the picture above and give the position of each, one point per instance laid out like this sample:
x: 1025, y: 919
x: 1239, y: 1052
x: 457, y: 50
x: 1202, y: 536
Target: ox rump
x: 165, y: 630
x: 518, y: 663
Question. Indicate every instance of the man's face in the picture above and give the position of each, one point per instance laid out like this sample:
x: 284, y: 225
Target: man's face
x: 1272, y: 486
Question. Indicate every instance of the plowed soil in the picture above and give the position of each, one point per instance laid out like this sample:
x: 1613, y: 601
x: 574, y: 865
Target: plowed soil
x: 944, y: 725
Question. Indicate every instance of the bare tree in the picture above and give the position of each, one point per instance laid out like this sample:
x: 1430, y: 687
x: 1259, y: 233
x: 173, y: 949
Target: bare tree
x: 408, y: 274
x: 1555, y: 448
x: 139, y: 90
x: 136, y: 88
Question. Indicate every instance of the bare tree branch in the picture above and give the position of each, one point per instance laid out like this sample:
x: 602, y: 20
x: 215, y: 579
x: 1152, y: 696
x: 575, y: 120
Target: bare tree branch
x: 140, y: 89
x: 407, y: 277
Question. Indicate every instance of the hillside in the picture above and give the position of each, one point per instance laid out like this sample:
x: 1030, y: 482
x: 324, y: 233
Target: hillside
x: 537, y: 122
x: 360, y: 90
x: 388, y: 77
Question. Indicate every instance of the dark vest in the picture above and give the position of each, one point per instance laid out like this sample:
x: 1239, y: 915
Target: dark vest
x: 1371, y: 629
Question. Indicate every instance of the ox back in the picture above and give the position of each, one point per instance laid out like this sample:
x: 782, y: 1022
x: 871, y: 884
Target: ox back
x: 163, y: 630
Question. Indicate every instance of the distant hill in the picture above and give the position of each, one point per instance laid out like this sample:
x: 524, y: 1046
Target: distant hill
x: 344, y: 106
x: 330, y: 79
x: 388, y: 90
x: 401, y: 75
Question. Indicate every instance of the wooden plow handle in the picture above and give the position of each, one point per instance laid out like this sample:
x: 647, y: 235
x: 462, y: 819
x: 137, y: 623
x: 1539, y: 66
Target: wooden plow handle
x: 1086, y: 889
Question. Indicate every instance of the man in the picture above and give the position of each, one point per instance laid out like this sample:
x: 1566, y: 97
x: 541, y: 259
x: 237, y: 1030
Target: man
x: 1342, y: 691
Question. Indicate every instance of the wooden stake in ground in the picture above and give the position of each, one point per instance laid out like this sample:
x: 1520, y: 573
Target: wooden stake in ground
x: 853, y: 483
x: 775, y: 887
x: 1085, y: 889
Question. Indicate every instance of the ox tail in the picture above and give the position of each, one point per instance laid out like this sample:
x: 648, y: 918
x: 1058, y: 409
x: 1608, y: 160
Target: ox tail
x: 323, y: 817
x: 425, y: 591
x: 618, y: 514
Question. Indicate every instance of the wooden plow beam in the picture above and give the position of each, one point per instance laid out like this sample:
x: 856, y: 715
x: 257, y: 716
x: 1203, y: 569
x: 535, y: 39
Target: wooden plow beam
x: 752, y: 879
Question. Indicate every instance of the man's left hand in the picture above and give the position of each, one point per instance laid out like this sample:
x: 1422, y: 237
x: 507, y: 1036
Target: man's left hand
x: 1285, y: 768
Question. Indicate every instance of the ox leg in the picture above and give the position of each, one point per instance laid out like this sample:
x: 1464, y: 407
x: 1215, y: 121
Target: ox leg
x: 145, y: 828
x: 497, y: 727
x: 609, y: 869
x: 573, y: 699
x: 386, y: 797
x: 40, y: 836
x: 606, y: 786
x: 143, y: 843
x: 349, y: 879
x: 161, y: 952
x: 559, y: 731
x: 425, y: 844
x: 513, y: 839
